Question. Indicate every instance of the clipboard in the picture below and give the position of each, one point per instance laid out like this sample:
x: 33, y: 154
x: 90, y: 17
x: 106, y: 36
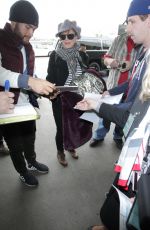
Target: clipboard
x: 22, y: 112
x: 60, y: 89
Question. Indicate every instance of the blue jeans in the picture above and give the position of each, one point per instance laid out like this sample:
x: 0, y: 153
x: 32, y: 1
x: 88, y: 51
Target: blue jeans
x: 104, y: 127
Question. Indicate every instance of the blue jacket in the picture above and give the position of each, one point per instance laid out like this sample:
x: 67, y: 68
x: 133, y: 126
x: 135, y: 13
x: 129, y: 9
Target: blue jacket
x: 131, y: 87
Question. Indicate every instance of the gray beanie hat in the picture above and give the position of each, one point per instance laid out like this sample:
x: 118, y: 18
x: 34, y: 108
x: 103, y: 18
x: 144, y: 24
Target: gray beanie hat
x: 24, y: 12
x: 68, y: 25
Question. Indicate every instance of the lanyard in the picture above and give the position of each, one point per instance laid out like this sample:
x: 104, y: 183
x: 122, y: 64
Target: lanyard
x: 136, y: 69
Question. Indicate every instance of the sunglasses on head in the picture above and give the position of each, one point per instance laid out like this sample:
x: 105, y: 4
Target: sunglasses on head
x: 67, y: 36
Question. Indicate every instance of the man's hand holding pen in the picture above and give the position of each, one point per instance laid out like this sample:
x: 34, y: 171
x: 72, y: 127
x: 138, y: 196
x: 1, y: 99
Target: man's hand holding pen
x: 6, y: 102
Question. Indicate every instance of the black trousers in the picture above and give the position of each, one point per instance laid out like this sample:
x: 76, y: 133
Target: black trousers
x: 57, y: 113
x: 20, y: 138
x: 1, y: 137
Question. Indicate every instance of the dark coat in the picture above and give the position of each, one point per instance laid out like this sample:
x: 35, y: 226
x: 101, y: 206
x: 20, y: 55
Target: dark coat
x: 57, y: 70
x: 114, y: 114
x: 75, y: 131
x: 119, y: 116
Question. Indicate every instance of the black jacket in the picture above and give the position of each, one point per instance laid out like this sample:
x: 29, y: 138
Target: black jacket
x: 58, y: 69
x: 120, y: 116
x: 114, y: 114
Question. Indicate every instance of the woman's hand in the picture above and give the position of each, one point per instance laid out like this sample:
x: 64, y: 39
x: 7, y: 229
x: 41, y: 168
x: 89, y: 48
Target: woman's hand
x: 114, y: 64
x: 106, y: 93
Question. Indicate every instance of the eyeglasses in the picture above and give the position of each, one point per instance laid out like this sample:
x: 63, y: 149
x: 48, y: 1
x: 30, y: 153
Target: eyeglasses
x: 67, y: 36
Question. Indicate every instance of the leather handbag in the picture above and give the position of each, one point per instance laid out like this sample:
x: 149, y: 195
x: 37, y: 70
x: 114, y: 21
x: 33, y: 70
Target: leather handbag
x: 89, y: 83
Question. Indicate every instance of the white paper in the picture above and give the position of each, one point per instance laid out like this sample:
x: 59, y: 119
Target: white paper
x: 92, y: 116
x: 106, y: 99
x: 19, y: 110
x: 125, y: 206
x: 22, y: 112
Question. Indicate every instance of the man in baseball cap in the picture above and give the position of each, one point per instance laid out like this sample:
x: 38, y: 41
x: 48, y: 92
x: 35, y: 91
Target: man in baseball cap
x: 138, y: 27
x: 138, y: 7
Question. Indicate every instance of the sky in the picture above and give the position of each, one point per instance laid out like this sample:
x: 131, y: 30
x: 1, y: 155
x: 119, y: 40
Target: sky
x: 95, y: 17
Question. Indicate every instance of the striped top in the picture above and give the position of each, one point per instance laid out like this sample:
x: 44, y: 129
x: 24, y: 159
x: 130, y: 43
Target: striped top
x: 78, y: 73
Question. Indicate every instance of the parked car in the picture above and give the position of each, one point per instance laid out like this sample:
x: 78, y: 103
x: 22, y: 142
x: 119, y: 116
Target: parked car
x: 96, y: 49
x: 96, y: 59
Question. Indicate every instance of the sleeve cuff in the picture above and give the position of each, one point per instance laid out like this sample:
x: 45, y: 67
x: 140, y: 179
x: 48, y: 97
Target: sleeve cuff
x: 23, y: 81
x: 98, y: 107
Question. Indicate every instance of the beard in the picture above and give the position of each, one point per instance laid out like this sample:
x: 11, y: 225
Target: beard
x: 25, y: 39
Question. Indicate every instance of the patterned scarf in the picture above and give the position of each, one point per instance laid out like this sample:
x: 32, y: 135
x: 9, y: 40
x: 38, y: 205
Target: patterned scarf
x: 70, y: 55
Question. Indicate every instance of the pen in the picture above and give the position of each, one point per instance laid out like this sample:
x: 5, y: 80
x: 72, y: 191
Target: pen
x: 7, y: 85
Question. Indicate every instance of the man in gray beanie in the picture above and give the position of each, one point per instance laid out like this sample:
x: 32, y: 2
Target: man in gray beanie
x: 25, y: 12
x: 21, y: 13
x: 17, y: 56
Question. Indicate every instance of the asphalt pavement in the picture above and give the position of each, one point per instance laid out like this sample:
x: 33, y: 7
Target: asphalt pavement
x: 66, y: 198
